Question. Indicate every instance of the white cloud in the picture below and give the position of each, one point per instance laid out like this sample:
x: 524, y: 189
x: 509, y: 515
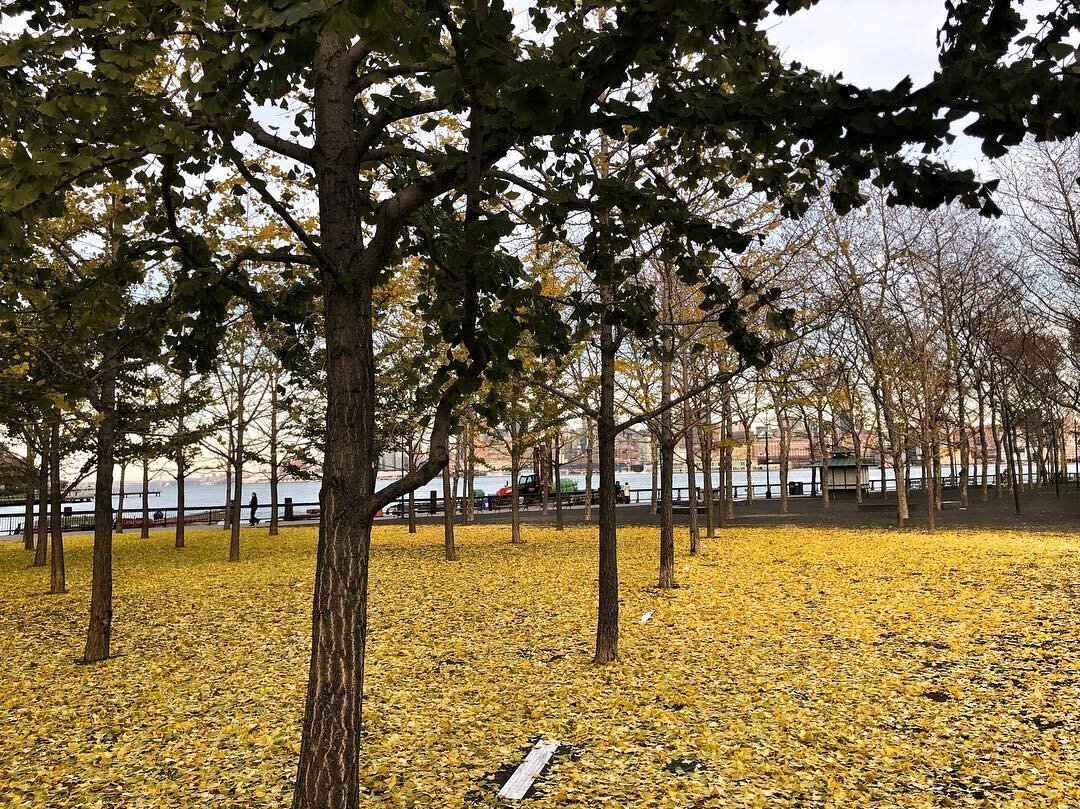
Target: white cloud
x: 873, y: 43
x: 876, y: 43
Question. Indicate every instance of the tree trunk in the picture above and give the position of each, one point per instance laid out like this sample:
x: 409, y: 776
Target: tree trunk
x: 707, y: 478
x: 181, y: 473
x: 328, y: 770
x: 691, y: 478
x: 448, y: 517
x: 937, y: 477
x: 1010, y: 439
x: 881, y: 455
x: 965, y: 446
x: 1059, y: 449
x: 99, y: 631
x: 144, y: 530
x: 120, y: 499
x: 654, y: 469
x: 749, y: 455
x: 826, y: 479
x: 667, y: 528
x: 57, y: 580
x: 729, y: 455
x: 1044, y: 458
x: 41, y: 552
x: 230, y: 500
x: 856, y: 445
x: 930, y: 504
x: 1031, y: 478
x: 238, y: 481
x: 926, y: 466
x: 588, y: 468
x: 667, y: 470
x: 515, y: 502
x: 995, y: 435
x: 899, y: 473
x: 470, y: 474
x: 984, y: 460
x: 607, y: 614
x: 459, y: 466
x: 412, y: 493
x: 274, y: 456
x: 28, y: 506
x: 543, y: 476
x: 456, y: 480
x: 181, y: 484
x: 557, y: 462
x: 899, y: 469
x: 785, y: 452
x: 1013, y: 433
x: 328, y: 775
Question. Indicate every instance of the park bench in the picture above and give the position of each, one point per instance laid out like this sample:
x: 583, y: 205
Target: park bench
x: 887, y: 505
x: 877, y: 506
x: 683, y: 507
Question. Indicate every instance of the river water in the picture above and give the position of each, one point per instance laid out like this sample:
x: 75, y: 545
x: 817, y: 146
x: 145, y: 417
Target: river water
x: 213, y: 494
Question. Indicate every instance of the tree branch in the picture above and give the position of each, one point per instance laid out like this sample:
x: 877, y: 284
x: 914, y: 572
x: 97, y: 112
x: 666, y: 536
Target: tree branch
x: 438, y: 457
x: 717, y: 379
x: 168, y: 174
x: 381, y: 120
x: 536, y: 190
x: 380, y: 74
x: 356, y: 54
x: 281, y: 146
x: 260, y: 187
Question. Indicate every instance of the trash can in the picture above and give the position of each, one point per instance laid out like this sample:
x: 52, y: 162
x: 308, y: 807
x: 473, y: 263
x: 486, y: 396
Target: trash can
x: 795, y: 487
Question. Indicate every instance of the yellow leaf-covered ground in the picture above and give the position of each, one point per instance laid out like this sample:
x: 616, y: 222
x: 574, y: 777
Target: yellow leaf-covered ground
x: 793, y: 668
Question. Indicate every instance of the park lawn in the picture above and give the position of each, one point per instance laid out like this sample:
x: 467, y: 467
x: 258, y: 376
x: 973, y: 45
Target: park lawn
x: 792, y: 668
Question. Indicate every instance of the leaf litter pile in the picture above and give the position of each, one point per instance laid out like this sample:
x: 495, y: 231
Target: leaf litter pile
x: 791, y: 668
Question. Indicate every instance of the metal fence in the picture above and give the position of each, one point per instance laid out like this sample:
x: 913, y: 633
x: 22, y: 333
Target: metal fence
x: 160, y: 517
x: 430, y: 503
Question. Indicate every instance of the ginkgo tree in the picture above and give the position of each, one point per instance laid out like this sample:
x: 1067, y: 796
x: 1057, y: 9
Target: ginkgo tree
x: 325, y: 86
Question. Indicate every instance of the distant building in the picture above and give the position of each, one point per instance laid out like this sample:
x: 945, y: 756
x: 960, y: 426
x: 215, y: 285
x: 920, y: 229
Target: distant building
x: 12, y: 474
x: 631, y: 452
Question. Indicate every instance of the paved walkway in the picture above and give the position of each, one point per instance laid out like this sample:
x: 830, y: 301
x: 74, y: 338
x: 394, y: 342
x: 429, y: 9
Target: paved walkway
x: 1040, y: 509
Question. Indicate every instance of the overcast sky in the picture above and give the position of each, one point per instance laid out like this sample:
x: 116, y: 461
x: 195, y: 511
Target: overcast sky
x: 874, y: 43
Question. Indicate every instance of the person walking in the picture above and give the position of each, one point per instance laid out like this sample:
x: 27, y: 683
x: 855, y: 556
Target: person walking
x: 253, y: 504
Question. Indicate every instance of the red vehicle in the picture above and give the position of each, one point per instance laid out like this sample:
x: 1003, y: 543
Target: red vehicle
x: 528, y: 489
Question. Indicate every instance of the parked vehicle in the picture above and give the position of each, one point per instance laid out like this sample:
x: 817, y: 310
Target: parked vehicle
x: 529, y: 490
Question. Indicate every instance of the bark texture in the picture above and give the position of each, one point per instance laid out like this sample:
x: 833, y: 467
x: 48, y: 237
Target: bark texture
x: 99, y: 631
x: 607, y: 618
x: 57, y: 573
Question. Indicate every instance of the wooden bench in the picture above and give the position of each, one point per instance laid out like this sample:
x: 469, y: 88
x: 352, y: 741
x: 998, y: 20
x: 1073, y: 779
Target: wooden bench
x: 682, y: 507
x: 888, y: 505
